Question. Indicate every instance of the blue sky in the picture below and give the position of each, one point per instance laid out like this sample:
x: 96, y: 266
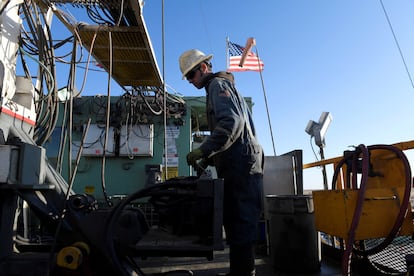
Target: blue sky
x: 320, y: 55
x: 335, y: 56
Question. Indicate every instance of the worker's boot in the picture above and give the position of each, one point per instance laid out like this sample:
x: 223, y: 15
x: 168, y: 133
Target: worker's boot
x: 242, y: 260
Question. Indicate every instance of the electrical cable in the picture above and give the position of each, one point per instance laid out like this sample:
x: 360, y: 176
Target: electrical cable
x: 63, y: 211
x: 94, y: 14
x: 62, y: 140
x: 70, y: 87
x: 47, y: 102
x: 313, y: 149
x: 397, y: 44
x: 39, y: 43
x: 38, y: 62
x: 46, y: 47
x: 87, y: 62
x: 159, y: 112
x: 4, y: 6
x: 121, y: 13
x: 108, y: 109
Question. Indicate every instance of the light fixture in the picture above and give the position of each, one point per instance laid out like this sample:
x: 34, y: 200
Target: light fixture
x: 318, y: 129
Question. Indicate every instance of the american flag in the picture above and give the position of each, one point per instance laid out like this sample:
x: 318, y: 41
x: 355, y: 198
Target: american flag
x: 252, y: 62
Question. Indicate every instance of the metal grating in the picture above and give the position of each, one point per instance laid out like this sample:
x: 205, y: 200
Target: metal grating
x: 391, y: 260
x: 133, y: 61
x: 103, y: 3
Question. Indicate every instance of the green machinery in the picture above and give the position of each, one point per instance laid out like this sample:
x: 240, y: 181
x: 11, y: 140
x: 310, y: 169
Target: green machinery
x: 135, y: 145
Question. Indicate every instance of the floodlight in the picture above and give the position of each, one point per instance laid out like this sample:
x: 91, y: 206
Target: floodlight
x: 318, y: 130
x: 324, y: 122
x: 309, y: 128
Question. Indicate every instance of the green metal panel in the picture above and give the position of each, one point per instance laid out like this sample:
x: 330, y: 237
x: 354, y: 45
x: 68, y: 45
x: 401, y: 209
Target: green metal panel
x: 122, y: 175
x: 117, y: 175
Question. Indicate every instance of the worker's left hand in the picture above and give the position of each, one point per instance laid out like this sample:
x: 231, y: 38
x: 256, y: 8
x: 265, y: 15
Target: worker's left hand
x: 193, y: 156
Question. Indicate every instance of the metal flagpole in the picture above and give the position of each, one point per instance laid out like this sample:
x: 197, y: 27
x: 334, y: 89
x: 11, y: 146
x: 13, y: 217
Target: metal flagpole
x: 249, y: 44
x: 227, y: 53
x: 265, y: 98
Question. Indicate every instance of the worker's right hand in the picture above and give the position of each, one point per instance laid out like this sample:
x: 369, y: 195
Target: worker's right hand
x: 193, y: 156
x: 201, y: 166
x: 203, y: 163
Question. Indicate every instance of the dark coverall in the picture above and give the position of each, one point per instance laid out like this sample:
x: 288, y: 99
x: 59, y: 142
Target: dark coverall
x: 238, y: 159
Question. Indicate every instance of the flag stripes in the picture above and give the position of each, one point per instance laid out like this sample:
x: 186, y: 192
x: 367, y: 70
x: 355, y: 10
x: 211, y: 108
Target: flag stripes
x: 251, y: 63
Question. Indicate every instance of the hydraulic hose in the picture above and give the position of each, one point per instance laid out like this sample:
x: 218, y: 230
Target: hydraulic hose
x: 117, y: 210
x: 365, y: 153
x: 358, y: 209
x: 404, y: 204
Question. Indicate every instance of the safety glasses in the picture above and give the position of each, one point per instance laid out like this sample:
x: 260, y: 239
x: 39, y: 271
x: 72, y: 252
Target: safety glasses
x: 190, y: 75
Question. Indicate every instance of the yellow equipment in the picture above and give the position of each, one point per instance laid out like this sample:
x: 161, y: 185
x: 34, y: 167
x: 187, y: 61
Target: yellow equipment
x: 72, y: 257
x: 380, y: 204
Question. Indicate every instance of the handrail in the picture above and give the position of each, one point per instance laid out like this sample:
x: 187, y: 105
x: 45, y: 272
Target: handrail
x: 401, y: 145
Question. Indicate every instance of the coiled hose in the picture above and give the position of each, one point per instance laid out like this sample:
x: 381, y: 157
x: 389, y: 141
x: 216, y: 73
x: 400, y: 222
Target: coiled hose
x: 117, y: 210
x: 364, y: 152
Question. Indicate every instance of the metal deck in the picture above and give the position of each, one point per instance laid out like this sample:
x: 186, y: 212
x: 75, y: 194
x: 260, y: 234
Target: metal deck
x: 202, y: 267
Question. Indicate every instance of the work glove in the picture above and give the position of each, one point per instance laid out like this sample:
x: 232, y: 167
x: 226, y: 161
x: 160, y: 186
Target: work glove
x: 193, y: 156
x: 201, y: 166
x: 204, y: 163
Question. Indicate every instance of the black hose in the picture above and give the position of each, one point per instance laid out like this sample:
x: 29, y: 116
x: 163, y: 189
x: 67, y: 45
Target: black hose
x: 116, y: 212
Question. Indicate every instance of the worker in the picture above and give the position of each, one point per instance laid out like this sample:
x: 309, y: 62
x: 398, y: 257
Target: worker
x: 232, y: 147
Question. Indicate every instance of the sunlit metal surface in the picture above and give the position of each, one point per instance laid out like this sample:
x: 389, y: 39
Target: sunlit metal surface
x: 129, y: 51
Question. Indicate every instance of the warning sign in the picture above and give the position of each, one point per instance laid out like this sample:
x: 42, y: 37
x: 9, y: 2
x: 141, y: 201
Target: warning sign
x: 172, y: 172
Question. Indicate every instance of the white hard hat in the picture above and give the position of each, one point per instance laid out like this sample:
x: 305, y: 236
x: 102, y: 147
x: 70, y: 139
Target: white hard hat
x: 190, y: 59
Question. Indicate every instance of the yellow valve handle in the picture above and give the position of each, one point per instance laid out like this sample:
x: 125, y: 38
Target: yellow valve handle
x: 70, y: 257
